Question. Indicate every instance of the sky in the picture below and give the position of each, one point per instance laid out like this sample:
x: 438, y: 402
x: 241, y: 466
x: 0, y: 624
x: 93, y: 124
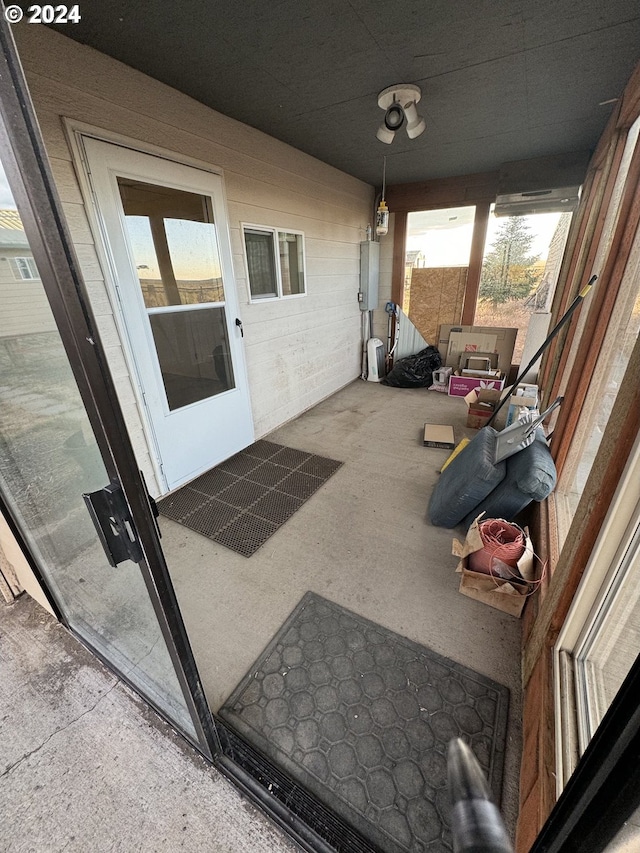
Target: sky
x: 445, y: 235
x: 192, y: 246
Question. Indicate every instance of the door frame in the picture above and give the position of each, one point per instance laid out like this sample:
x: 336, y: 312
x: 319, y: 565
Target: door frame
x: 75, y: 132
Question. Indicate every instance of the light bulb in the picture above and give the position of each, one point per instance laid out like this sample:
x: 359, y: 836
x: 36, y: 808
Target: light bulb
x: 385, y: 135
x: 415, y: 124
x: 382, y: 219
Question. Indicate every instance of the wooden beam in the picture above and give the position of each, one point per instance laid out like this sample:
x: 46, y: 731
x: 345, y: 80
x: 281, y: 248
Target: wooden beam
x: 604, y: 299
x: 443, y: 192
x: 630, y: 106
x: 399, y: 256
x: 598, y: 194
x: 565, y: 283
x: 165, y: 264
x: 475, y: 262
x: 620, y: 434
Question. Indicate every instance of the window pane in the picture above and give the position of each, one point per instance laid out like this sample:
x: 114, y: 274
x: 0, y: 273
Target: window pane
x: 174, y: 244
x: 261, y: 262
x: 291, y: 263
x: 48, y: 458
x: 520, y: 269
x: 26, y: 268
x: 193, y: 351
x: 613, y: 642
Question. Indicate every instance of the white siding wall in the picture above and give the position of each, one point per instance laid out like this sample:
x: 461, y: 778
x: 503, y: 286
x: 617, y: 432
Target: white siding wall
x: 23, y: 305
x: 298, y: 351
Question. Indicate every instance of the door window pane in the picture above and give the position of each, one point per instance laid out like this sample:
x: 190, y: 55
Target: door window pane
x: 173, y: 239
x: 194, y: 356
x: 48, y: 458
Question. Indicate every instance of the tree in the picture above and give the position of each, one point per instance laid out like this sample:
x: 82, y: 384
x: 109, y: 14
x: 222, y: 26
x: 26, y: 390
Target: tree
x: 508, y: 269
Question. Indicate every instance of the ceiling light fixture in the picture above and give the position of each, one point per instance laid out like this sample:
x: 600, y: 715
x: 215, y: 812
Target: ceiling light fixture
x: 399, y: 103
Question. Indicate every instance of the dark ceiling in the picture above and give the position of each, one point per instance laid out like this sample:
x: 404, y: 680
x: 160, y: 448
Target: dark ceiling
x: 502, y: 80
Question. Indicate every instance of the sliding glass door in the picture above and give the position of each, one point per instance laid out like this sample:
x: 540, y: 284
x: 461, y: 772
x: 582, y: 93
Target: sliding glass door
x: 69, y: 484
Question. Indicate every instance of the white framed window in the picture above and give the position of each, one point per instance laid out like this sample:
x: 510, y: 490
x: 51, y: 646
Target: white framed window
x: 600, y: 638
x: 25, y: 268
x: 275, y: 262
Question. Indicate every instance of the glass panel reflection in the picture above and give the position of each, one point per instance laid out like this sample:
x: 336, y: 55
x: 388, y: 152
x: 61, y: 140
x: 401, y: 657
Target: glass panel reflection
x: 48, y: 458
x: 613, y: 643
x: 261, y: 261
x: 193, y: 351
x: 291, y: 263
x: 173, y: 239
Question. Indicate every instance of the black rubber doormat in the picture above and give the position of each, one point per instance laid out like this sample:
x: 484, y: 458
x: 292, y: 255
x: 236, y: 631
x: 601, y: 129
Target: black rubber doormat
x: 362, y: 718
x: 242, y: 502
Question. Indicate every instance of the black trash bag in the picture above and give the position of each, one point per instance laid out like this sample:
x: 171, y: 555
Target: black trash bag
x: 414, y: 371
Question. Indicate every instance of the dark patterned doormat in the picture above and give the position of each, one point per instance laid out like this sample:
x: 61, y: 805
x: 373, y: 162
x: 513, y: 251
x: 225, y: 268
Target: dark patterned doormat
x: 242, y: 502
x: 362, y: 717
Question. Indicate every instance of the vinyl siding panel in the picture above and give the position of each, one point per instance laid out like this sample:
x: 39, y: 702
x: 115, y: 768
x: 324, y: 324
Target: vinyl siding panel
x: 24, y: 309
x: 299, y: 350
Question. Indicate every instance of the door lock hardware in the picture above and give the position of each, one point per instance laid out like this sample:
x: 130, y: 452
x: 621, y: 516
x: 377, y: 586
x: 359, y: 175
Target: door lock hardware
x: 239, y: 325
x: 114, y: 525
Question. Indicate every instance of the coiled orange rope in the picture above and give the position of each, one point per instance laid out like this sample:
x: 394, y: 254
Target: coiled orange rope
x: 504, y: 544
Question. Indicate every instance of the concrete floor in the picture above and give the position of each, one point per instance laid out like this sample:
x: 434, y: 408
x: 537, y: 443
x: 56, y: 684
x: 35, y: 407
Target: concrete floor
x: 86, y: 765
x: 362, y: 541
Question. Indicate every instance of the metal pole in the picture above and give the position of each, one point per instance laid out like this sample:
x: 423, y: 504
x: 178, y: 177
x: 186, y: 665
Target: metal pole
x: 561, y: 322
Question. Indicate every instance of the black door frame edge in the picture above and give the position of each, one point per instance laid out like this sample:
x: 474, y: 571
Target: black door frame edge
x: 32, y: 184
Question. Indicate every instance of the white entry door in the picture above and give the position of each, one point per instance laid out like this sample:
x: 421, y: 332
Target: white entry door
x: 166, y: 232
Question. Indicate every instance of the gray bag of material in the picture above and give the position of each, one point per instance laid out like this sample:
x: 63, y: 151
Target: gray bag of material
x: 531, y: 476
x: 467, y: 480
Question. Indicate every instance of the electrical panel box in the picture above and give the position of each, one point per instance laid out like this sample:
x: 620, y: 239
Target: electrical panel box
x: 369, y: 275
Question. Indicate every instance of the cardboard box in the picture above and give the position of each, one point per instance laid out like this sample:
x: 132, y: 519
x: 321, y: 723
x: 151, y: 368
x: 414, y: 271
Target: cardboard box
x: 475, y: 364
x: 470, y: 343
x: 510, y: 596
x: 504, y: 344
x: 482, y: 403
x: 439, y: 435
x: 524, y: 397
x: 460, y: 386
x: 480, y: 363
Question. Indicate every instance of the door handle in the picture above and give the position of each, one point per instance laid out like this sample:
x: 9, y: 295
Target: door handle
x: 114, y: 525
x: 239, y: 325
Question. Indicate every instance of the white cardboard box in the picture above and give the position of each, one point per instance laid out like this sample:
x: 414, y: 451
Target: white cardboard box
x: 523, y: 397
x: 468, y: 342
x: 504, y: 346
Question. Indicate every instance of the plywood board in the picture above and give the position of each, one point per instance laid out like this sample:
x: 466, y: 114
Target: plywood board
x: 436, y: 297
